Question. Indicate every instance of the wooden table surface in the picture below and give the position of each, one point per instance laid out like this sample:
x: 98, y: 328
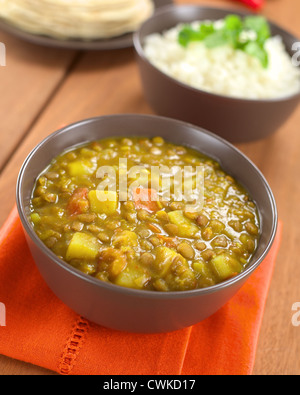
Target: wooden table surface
x: 43, y: 88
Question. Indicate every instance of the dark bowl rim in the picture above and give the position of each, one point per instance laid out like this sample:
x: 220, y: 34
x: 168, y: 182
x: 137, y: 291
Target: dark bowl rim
x: 130, y: 291
x: 138, y: 46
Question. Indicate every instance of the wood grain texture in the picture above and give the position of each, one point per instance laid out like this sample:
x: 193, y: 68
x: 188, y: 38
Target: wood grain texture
x: 99, y: 83
x: 27, y: 82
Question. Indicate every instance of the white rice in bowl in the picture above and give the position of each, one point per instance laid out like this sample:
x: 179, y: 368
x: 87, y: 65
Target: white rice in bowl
x: 224, y: 70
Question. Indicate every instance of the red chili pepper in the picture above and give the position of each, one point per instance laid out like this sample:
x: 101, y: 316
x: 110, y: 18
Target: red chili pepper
x: 255, y: 4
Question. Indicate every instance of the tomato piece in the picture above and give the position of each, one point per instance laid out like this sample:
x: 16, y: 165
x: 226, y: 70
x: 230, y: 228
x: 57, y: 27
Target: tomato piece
x: 147, y: 199
x: 78, y: 203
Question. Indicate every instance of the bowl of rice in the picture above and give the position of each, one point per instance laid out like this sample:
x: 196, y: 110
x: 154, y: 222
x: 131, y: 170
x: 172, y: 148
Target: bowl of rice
x: 233, y: 73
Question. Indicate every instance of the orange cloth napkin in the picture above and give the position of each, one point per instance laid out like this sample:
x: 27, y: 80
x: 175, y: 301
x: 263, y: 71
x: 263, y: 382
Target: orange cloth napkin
x: 41, y: 330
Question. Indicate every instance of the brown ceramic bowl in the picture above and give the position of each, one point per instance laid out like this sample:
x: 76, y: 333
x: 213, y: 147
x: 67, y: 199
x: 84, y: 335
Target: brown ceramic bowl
x: 237, y: 120
x: 128, y: 309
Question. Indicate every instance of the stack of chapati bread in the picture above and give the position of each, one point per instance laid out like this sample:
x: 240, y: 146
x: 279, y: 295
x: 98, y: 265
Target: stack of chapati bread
x: 77, y: 19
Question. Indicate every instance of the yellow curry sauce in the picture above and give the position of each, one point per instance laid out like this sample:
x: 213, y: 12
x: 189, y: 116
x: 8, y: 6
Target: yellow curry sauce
x: 139, y: 236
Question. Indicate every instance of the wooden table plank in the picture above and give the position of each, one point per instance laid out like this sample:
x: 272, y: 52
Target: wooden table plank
x: 30, y: 77
x: 106, y: 83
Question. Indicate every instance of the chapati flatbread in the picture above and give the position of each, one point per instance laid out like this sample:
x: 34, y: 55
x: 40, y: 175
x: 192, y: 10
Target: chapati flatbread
x: 77, y: 19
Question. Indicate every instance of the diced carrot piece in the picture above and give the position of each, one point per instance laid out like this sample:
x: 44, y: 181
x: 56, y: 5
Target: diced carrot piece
x: 168, y: 241
x: 147, y: 199
x: 154, y: 228
x: 78, y: 203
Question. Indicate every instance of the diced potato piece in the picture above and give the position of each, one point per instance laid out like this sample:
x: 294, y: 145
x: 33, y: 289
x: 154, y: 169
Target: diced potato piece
x: 83, y: 246
x: 125, y: 238
x: 116, y: 260
x: 164, y: 259
x: 81, y: 168
x: 126, y: 279
x: 186, y: 228
x: 160, y: 285
x: 206, y: 276
x: 141, y: 281
x: 225, y: 266
x: 132, y: 277
x: 103, y: 202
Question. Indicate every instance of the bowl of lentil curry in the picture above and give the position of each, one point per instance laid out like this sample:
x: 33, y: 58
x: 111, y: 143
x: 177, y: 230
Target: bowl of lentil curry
x: 134, y: 255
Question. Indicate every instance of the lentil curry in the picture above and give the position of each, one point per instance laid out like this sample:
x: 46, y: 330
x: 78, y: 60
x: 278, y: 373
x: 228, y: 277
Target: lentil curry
x: 155, y: 244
